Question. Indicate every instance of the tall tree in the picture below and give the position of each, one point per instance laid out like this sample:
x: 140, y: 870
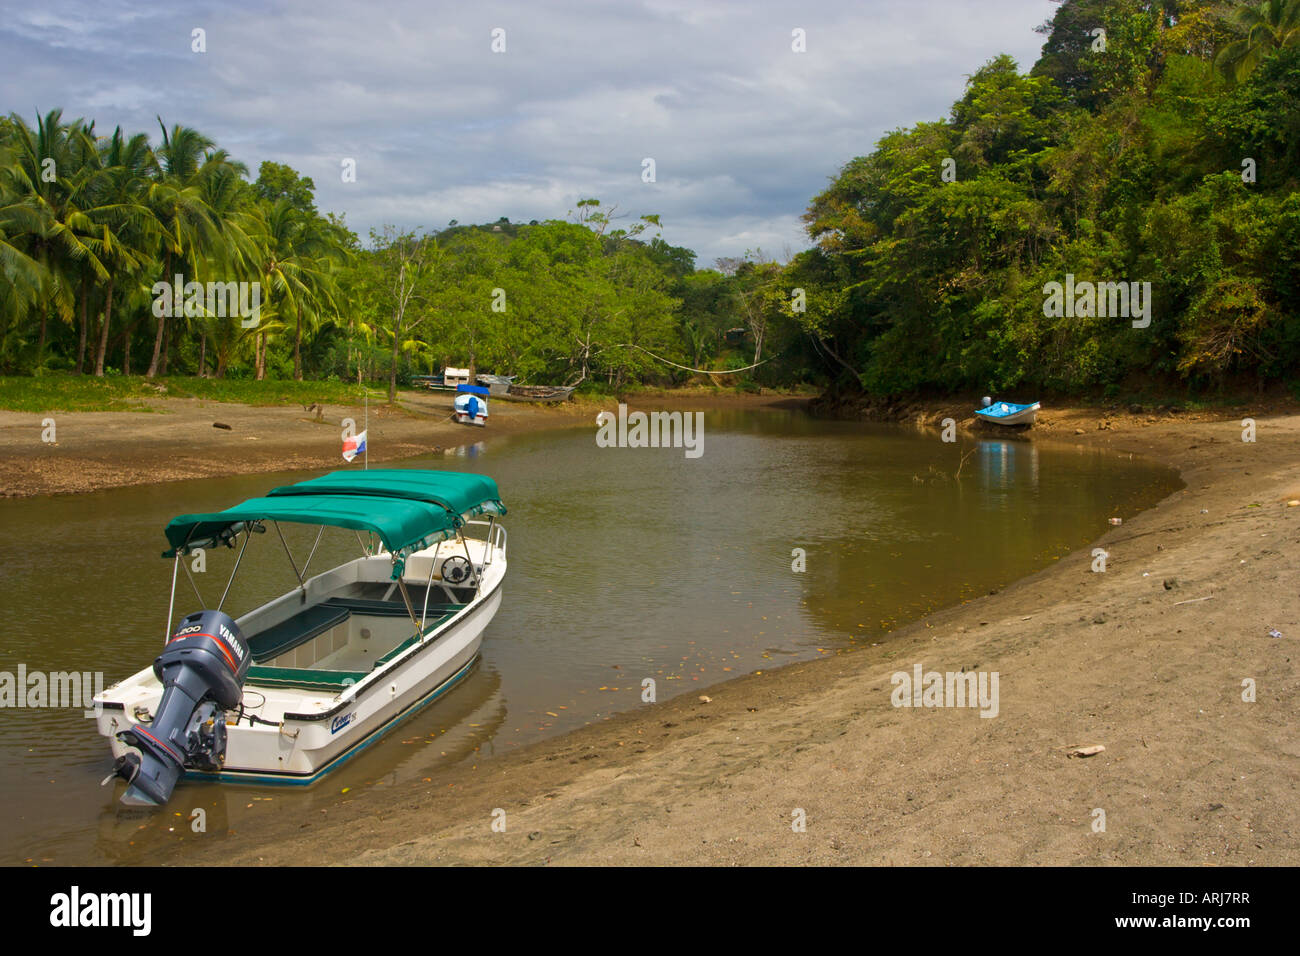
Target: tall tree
x: 126, y: 229
x: 403, y: 264
x: 187, y: 224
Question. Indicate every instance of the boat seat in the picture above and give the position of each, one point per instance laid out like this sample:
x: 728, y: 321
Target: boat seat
x: 301, y: 678
x: 437, y: 617
x: 302, y: 627
x: 367, y: 606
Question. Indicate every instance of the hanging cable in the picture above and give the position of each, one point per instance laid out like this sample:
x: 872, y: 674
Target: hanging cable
x: 702, y: 371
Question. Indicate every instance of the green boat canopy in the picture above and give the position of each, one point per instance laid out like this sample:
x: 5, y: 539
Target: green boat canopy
x: 459, y: 493
x: 407, y: 509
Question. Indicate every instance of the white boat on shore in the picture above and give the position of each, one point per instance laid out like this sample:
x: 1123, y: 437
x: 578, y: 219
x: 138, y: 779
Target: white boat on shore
x: 288, y: 691
x: 470, y: 406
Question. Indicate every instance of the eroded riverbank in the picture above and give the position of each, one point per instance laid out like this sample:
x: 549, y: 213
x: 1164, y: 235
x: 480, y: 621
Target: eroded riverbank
x: 179, y: 439
x: 1147, y: 659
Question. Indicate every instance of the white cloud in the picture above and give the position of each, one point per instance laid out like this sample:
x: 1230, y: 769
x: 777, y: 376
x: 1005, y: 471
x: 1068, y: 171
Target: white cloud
x: 744, y: 131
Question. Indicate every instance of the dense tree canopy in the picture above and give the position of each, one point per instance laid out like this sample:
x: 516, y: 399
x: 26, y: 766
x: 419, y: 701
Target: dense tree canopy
x: 1137, y: 163
x: 1153, y: 151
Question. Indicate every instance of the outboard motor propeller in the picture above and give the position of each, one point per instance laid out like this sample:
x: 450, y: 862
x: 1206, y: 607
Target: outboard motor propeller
x: 202, y: 671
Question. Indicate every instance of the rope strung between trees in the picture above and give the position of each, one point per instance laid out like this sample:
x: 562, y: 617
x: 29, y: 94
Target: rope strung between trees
x: 703, y: 371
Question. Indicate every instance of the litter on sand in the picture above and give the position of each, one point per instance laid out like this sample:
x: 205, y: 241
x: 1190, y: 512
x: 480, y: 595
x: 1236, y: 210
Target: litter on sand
x: 1087, y: 751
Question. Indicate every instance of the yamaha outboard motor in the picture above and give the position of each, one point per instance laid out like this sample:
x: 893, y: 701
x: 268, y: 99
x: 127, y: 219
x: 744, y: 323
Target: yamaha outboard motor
x: 202, y: 671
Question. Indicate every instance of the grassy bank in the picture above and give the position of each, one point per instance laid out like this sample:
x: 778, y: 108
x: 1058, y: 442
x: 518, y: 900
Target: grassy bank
x: 128, y: 393
x: 55, y: 392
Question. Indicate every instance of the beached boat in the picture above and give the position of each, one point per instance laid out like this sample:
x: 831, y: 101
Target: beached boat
x: 497, y: 385
x: 1009, y: 413
x: 471, y: 405
x: 290, y: 690
x: 446, y: 381
x: 539, y: 393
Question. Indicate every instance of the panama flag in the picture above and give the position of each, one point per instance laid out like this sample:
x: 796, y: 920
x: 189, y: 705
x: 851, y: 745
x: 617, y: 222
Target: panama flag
x: 354, y: 446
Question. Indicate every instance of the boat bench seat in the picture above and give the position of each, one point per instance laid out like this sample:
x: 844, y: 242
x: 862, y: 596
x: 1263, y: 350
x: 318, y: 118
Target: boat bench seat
x: 301, y: 678
x: 367, y: 606
x: 437, y: 617
x: 302, y: 627
x: 309, y: 622
x: 312, y: 621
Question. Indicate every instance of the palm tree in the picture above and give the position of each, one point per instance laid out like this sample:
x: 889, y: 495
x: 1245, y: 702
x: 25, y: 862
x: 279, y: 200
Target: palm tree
x: 320, y: 255
x: 125, y: 229
x: 1266, y: 26
x: 46, y: 178
x: 299, y: 258
x: 223, y: 189
x: 187, y: 223
x: 275, y: 229
x: 23, y: 277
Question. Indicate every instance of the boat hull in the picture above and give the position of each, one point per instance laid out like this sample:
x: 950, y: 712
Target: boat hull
x: 538, y: 393
x: 1026, y: 415
x: 319, y: 730
x: 321, y: 760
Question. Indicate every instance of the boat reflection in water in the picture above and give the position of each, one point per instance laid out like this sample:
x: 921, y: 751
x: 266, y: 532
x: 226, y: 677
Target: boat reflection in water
x: 467, y: 451
x: 1004, y: 464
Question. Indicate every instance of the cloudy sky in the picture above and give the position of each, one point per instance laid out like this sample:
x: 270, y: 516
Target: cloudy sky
x: 743, y: 131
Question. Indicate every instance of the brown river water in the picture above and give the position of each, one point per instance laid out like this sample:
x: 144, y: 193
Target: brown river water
x: 625, y: 563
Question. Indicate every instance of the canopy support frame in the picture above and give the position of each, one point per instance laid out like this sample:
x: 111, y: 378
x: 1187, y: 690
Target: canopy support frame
x: 301, y: 587
x: 171, y: 604
x: 313, y: 550
x: 248, y: 536
x: 428, y: 586
x: 410, y: 609
x: 193, y: 584
x: 478, y: 578
x: 487, y: 546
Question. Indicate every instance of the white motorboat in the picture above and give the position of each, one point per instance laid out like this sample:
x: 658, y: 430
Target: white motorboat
x: 470, y: 405
x: 288, y: 691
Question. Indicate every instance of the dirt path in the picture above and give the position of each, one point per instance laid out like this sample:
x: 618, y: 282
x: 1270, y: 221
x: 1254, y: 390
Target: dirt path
x: 1147, y: 659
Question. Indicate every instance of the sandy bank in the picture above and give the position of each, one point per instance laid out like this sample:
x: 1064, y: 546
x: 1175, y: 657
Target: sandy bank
x: 1147, y: 659
x: 178, y: 440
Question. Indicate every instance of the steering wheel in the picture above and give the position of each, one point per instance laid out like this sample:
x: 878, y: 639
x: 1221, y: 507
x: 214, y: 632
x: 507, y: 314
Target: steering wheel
x: 456, y: 569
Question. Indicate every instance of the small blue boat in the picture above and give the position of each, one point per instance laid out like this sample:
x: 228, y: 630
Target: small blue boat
x: 1009, y: 413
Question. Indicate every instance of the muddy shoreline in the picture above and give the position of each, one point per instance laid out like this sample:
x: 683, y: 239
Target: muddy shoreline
x: 1150, y: 659
x: 1147, y: 659
x: 178, y: 438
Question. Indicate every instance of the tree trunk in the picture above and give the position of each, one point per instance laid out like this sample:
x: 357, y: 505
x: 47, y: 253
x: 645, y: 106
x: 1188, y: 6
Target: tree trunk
x: 157, y: 346
x: 297, y: 348
x: 203, y: 354
x: 259, y: 346
x: 167, y: 341
x: 81, y: 339
x: 162, y: 322
x: 103, y: 335
x: 392, y: 372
